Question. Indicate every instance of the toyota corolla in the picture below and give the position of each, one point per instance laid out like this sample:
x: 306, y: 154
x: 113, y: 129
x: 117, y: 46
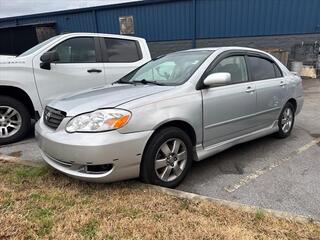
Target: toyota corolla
x: 179, y: 108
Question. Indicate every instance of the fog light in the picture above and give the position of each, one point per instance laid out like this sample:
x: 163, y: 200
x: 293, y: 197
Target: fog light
x: 99, y: 168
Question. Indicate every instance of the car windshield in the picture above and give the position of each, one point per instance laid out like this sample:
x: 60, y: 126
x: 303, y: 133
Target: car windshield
x: 38, y: 46
x: 169, y: 70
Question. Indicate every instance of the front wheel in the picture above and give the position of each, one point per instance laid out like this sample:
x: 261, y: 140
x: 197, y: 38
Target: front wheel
x: 167, y: 158
x: 15, y: 120
x: 286, y: 121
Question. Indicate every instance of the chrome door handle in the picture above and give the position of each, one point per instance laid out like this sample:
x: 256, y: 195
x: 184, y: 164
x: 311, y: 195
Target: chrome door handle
x: 282, y: 83
x: 250, y: 89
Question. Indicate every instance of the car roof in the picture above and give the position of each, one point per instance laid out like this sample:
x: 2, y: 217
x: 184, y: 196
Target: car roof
x: 223, y: 49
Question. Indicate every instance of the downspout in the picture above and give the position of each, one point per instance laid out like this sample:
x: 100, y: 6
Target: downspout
x: 194, y: 26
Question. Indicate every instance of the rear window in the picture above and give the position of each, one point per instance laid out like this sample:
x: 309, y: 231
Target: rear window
x: 120, y: 50
x: 262, y: 68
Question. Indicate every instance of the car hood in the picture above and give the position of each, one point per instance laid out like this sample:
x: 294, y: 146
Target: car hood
x: 7, y: 61
x: 107, y: 97
x: 6, y: 58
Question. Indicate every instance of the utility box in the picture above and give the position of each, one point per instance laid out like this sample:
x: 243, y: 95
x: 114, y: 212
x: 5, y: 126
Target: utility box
x: 14, y: 40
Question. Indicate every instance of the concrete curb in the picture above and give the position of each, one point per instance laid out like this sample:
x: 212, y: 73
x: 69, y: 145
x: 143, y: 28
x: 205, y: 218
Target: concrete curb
x: 235, y: 205
x: 9, y: 159
x: 18, y: 143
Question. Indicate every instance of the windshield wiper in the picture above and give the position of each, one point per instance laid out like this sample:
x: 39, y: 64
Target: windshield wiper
x: 124, y: 82
x: 144, y: 81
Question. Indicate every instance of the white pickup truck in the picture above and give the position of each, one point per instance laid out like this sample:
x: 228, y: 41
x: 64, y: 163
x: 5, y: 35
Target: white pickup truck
x: 60, y: 66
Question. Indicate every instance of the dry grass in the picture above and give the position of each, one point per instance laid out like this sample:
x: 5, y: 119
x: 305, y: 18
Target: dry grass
x: 37, y: 203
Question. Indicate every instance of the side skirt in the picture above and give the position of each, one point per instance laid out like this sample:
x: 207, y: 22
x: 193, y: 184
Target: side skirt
x: 202, y: 153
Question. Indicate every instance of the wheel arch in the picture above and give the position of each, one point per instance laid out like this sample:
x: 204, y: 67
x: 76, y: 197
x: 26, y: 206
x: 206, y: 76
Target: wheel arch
x: 294, y: 103
x: 20, y: 95
x: 181, y: 124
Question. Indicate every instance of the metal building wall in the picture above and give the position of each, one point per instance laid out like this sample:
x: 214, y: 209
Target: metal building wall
x: 73, y: 22
x: 163, y: 20
x: 237, y: 18
x: 155, y: 22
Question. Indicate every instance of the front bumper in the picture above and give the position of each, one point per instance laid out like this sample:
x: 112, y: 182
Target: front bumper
x: 74, y: 153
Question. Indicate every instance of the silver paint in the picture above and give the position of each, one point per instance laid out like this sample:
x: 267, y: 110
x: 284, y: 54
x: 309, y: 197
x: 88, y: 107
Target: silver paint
x: 220, y: 117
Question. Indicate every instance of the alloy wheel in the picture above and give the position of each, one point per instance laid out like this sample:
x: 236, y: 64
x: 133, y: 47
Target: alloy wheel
x: 171, y: 159
x: 287, y: 120
x: 10, y: 121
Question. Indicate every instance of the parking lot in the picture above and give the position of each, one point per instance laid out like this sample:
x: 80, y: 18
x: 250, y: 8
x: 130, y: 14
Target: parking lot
x: 280, y: 174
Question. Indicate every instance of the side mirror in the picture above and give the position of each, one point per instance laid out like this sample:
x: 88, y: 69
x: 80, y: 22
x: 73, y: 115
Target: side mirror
x: 48, y: 58
x: 217, y: 79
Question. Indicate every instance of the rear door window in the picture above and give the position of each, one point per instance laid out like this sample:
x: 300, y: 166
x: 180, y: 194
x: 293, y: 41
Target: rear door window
x: 262, y: 68
x: 277, y: 70
x: 121, y: 50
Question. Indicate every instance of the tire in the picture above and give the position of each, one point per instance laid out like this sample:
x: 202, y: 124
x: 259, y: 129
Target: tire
x: 167, y: 173
x: 286, y: 121
x: 15, y: 120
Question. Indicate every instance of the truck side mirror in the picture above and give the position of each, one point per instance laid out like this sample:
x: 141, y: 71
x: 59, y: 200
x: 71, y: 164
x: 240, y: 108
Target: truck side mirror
x: 48, y: 58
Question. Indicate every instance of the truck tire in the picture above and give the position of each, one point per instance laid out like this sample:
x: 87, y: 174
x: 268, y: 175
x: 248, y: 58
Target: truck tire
x: 15, y: 120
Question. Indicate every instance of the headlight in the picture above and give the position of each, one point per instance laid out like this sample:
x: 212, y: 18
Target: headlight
x: 99, y: 121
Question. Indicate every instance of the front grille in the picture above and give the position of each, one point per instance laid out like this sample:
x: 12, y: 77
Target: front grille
x: 53, y: 117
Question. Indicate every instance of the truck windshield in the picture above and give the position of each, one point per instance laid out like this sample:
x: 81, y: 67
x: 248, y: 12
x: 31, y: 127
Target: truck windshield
x: 38, y: 46
x: 170, y: 70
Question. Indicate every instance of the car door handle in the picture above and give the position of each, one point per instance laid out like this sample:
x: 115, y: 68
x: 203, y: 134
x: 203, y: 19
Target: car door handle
x: 282, y: 83
x: 94, y: 70
x: 250, y: 89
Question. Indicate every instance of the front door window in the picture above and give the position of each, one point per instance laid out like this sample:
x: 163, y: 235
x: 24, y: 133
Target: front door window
x: 76, y: 50
x: 236, y: 66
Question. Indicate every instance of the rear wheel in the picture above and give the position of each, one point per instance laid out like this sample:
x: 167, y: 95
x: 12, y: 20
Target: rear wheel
x: 167, y: 158
x: 15, y: 120
x: 286, y: 121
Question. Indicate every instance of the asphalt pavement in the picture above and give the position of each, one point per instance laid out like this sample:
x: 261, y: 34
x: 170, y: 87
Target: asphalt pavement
x: 280, y: 174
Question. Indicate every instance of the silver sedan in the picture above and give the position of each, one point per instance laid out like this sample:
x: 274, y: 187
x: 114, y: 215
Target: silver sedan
x: 179, y: 108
